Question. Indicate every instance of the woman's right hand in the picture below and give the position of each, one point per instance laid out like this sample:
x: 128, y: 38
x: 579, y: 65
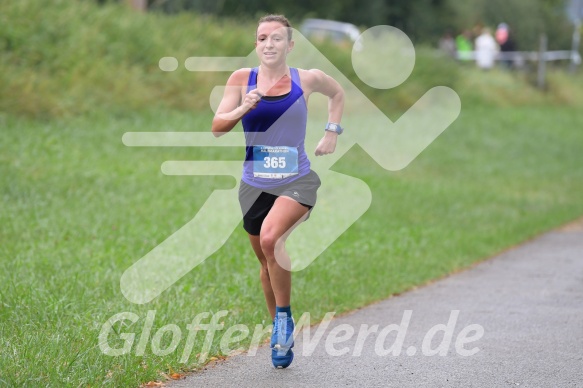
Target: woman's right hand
x: 251, y: 100
x: 232, y: 107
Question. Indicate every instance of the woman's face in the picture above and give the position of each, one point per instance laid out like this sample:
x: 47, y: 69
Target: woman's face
x: 272, y: 44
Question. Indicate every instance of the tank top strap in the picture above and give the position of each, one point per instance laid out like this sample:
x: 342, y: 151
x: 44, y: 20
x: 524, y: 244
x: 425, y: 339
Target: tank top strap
x: 295, y: 74
x: 252, y: 81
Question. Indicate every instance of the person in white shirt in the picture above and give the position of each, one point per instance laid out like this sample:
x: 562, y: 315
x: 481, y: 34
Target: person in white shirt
x: 486, y: 50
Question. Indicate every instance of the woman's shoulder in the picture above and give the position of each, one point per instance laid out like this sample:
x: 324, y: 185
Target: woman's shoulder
x: 239, y: 77
x: 311, y: 77
x: 311, y: 73
x: 306, y: 72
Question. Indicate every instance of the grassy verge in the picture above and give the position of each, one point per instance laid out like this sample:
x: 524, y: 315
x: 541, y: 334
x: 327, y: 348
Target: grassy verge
x: 77, y: 208
x: 67, y: 58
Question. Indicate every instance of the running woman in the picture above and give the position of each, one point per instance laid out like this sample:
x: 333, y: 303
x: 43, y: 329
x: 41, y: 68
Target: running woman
x: 278, y: 188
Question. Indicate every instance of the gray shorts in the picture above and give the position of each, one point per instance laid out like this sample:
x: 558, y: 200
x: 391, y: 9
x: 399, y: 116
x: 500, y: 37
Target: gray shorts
x: 256, y: 203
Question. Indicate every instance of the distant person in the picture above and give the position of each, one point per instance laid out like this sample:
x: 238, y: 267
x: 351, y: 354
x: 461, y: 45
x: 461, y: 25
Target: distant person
x: 464, y: 48
x: 502, y: 33
x: 486, y: 50
x: 278, y: 188
x: 507, y: 44
x: 447, y: 44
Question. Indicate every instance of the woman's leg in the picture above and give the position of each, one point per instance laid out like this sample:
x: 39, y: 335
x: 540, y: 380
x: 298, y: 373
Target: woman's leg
x: 285, y: 214
x: 264, y: 275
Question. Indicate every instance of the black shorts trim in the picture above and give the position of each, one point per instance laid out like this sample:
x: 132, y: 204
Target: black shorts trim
x: 256, y: 203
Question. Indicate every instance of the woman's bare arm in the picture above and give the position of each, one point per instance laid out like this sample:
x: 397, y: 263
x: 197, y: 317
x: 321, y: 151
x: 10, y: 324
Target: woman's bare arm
x: 231, y: 109
x: 319, y: 82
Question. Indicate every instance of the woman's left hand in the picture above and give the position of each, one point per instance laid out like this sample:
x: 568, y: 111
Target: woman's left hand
x: 328, y: 144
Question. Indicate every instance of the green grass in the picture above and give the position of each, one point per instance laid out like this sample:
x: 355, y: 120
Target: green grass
x: 63, y: 58
x: 66, y: 58
x: 78, y: 207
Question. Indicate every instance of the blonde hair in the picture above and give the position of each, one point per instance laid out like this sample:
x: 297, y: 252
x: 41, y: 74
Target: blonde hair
x: 276, y: 18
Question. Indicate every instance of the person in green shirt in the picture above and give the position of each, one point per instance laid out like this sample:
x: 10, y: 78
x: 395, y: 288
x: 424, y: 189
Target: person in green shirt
x: 464, y: 46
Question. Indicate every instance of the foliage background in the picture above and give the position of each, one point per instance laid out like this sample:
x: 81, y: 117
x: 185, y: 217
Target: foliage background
x: 61, y: 58
x: 423, y: 20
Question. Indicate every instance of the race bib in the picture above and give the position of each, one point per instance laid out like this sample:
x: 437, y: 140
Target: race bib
x: 274, y: 162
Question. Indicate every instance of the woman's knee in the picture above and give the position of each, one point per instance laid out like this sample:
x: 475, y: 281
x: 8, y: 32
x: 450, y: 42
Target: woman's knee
x: 268, y: 241
x: 271, y: 243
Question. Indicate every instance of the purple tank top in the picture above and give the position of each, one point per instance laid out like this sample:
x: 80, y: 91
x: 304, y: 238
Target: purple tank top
x: 279, y: 126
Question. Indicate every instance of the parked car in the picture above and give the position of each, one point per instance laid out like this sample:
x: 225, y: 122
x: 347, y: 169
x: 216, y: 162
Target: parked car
x: 332, y: 30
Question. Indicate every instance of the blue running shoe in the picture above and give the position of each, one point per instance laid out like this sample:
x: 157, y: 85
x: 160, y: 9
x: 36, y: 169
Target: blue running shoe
x: 282, y: 340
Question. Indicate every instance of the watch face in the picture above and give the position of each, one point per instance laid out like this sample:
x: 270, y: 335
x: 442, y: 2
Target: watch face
x: 333, y: 127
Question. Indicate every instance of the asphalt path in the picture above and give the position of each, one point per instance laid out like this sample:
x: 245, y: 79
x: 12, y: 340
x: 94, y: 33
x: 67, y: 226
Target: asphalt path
x: 513, y: 320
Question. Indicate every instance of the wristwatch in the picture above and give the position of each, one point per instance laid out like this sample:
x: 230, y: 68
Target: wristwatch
x: 333, y: 127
